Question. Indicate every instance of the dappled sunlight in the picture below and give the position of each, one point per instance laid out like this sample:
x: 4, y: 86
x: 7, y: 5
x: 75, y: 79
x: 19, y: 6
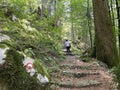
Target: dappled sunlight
x: 26, y: 25
x: 50, y: 44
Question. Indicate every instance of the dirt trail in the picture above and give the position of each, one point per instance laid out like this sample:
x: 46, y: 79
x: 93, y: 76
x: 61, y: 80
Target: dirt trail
x: 74, y: 74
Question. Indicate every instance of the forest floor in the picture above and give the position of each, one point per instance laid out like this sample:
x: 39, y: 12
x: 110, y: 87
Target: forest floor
x: 74, y: 74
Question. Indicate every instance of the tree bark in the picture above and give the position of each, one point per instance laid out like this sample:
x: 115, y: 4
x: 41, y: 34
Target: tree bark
x: 72, y: 24
x: 118, y: 17
x: 89, y: 24
x: 105, y: 41
x: 112, y: 14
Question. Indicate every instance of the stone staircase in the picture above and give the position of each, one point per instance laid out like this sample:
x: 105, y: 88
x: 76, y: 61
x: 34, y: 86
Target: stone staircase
x: 74, y: 74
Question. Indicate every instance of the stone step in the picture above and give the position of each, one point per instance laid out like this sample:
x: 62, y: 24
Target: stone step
x: 79, y: 84
x: 69, y: 66
x: 78, y: 74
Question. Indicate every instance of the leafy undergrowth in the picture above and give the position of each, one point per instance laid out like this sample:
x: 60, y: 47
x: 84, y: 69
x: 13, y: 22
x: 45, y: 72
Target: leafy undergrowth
x: 33, y: 45
x: 37, y: 44
x: 116, y: 71
x: 36, y: 37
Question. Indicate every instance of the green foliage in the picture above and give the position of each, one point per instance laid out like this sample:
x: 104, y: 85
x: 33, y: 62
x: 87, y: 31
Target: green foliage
x: 41, y: 68
x: 116, y: 71
x: 3, y: 45
x: 37, y: 37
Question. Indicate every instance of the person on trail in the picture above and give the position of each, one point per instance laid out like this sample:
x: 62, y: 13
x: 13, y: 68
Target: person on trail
x: 67, y: 45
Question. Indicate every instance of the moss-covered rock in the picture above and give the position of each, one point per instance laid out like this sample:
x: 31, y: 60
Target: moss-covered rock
x: 13, y: 74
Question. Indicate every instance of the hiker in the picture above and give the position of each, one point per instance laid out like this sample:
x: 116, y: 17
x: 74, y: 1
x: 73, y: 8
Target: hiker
x: 67, y: 46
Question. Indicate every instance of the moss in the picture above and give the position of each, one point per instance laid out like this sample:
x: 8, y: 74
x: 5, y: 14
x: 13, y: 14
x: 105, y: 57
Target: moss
x: 14, y: 74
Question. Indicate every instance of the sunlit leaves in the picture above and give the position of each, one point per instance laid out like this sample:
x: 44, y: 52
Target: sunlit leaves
x: 29, y: 30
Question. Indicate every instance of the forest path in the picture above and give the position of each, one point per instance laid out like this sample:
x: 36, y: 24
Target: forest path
x: 74, y: 74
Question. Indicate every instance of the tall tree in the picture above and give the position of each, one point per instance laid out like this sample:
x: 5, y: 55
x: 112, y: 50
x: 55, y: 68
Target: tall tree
x: 72, y: 21
x: 104, y: 36
x: 118, y: 17
x: 89, y: 23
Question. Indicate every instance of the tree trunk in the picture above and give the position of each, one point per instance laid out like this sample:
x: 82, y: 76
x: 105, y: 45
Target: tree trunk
x: 105, y: 42
x: 118, y: 17
x: 72, y: 32
x: 72, y: 24
x: 112, y: 14
x: 89, y: 24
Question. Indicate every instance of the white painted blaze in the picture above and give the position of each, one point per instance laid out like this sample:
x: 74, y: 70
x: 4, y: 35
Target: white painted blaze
x: 2, y: 55
x: 29, y: 65
x: 42, y: 79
